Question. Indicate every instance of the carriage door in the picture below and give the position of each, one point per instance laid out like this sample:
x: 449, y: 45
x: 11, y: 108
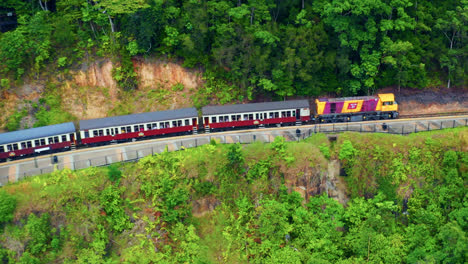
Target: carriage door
x: 332, y: 108
x: 298, y: 114
x: 206, y: 121
x: 72, y: 138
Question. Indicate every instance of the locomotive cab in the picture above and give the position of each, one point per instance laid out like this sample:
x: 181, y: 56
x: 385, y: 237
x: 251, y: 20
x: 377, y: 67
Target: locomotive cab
x: 388, y: 104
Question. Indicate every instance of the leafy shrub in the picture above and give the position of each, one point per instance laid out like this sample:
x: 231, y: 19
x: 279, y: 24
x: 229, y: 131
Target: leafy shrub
x: 50, y: 111
x: 14, y: 120
x: 259, y: 170
x: 279, y: 145
x: 62, y: 61
x: 6, y: 256
x: 5, y: 83
x: 113, y: 206
x: 177, y: 87
x: 235, y: 157
x: 114, y: 173
x: 450, y: 159
x: 7, y: 206
x: 125, y: 74
x: 27, y: 258
x: 204, y: 188
x: 40, y: 233
x: 347, y: 152
x: 325, y: 150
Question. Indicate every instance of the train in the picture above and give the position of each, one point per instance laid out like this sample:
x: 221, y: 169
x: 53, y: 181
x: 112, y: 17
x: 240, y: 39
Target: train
x: 101, y: 131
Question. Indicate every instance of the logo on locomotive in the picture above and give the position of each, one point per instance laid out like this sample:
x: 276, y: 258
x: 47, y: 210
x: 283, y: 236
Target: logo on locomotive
x: 352, y: 105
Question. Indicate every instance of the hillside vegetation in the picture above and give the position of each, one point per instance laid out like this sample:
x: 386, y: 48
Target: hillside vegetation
x: 406, y: 203
x: 282, y: 48
x: 73, y: 59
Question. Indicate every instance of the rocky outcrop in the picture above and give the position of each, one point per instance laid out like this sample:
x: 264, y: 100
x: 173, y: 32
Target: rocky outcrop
x: 316, y: 182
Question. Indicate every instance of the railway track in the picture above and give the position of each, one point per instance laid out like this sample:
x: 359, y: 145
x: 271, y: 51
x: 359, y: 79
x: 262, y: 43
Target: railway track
x: 457, y: 113
x: 104, y: 155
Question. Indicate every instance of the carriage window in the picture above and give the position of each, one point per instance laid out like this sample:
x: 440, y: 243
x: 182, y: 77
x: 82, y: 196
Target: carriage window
x: 174, y: 123
x: 187, y: 122
x: 15, y: 146
x: 293, y: 113
x: 179, y: 122
x: 128, y: 129
x: 288, y: 113
x: 250, y: 116
x: 283, y: 114
x: 135, y: 128
x: 101, y: 132
x: 23, y: 145
x: 10, y: 147
x: 2, y: 149
x: 166, y: 124
x: 142, y: 127
x: 276, y: 114
x: 257, y: 116
x: 271, y: 114
x: 155, y: 125
x: 43, y: 141
x: 233, y: 118
x: 246, y: 117
x: 36, y: 142
x: 29, y: 144
x: 56, y: 140
x: 148, y: 126
x: 387, y: 103
x: 213, y: 119
x: 64, y: 138
x: 50, y: 140
x: 95, y: 133
x: 107, y: 131
x: 161, y: 125
x: 122, y: 129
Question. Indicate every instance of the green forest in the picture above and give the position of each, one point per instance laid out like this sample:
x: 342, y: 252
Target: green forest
x: 406, y: 202
x: 257, y: 47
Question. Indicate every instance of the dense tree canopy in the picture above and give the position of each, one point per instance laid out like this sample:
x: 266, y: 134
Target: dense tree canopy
x: 261, y: 46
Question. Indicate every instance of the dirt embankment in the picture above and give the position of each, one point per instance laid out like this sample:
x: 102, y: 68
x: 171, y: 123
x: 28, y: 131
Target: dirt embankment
x: 91, y: 92
x: 442, y: 100
x: 162, y: 85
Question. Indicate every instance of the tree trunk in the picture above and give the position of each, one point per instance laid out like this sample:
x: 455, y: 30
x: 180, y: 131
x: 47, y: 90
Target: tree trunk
x: 43, y: 6
x: 252, y: 15
x: 452, y: 39
x: 111, y: 23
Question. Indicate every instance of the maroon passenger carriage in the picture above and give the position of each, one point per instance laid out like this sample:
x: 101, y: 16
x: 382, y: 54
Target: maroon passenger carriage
x: 124, y: 128
x: 37, y: 140
x: 255, y: 114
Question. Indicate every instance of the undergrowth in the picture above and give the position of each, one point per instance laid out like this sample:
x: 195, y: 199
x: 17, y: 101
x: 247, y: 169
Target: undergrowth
x: 407, y: 205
